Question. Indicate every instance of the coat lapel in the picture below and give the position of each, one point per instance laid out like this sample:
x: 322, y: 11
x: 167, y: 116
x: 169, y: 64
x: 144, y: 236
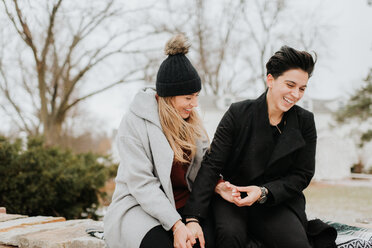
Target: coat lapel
x: 259, y: 143
x: 162, y: 157
x: 201, y: 147
x: 261, y: 123
x: 291, y: 138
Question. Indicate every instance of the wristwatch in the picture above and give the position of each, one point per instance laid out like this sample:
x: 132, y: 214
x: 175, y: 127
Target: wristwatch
x: 263, y: 196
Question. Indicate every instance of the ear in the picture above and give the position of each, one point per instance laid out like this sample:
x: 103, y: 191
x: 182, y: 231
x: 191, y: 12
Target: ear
x: 269, y: 81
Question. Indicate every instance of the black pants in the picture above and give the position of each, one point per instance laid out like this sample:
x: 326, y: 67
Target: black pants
x: 158, y: 237
x: 275, y: 227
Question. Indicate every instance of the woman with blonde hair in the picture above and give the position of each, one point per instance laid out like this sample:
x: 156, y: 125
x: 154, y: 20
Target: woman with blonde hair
x: 161, y: 142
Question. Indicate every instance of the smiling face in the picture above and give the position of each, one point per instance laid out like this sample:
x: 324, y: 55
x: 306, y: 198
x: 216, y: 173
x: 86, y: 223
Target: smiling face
x: 185, y: 103
x: 286, y: 90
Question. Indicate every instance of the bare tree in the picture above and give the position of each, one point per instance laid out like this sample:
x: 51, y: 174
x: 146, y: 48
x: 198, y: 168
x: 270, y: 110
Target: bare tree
x: 68, y: 44
x: 232, y: 40
x: 217, y: 45
x: 211, y: 27
x: 310, y: 28
x: 263, y: 21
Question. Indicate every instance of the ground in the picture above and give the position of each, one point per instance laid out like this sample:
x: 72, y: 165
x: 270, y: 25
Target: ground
x: 345, y: 202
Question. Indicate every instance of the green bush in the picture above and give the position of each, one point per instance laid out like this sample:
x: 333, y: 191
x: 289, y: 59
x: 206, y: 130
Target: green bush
x: 36, y: 180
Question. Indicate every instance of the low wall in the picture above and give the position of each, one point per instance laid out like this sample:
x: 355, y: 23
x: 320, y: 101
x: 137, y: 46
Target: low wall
x: 49, y: 232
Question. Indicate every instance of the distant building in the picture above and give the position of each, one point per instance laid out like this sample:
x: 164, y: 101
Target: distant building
x: 335, y: 154
x: 323, y: 109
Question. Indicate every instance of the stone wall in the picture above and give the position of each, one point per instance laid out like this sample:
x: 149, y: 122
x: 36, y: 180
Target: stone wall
x: 49, y: 232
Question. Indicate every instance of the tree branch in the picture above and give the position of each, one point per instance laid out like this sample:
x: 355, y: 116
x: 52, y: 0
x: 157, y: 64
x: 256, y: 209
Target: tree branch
x: 5, y: 90
x: 97, y: 19
x: 25, y: 33
x: 225, y: 42
x: 26, y: 77
x: 49, y: 38
x: 56, y: 74
x: 123, y: 80
x: 93, y: 62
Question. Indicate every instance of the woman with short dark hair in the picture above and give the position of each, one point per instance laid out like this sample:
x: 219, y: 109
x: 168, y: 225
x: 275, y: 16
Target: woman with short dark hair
x: 267, y: 147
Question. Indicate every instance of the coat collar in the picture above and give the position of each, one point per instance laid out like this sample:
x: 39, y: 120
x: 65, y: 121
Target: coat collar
x: 145, y: 106
x: 290, y: 139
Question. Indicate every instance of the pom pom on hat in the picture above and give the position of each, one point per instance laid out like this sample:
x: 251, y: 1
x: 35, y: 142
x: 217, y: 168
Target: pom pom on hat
x: 177, y: 45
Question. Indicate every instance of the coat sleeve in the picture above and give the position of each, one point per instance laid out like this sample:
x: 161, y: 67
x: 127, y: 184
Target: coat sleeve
x: 302, y: 171
x: 213, y: 162
x: 143, y: 185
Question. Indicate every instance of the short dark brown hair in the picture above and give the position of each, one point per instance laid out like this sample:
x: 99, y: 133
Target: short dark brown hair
x: 288, y: 58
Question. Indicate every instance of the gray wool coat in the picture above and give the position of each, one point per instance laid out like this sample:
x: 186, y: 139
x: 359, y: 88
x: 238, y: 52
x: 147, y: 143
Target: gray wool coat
x: 143, y: 196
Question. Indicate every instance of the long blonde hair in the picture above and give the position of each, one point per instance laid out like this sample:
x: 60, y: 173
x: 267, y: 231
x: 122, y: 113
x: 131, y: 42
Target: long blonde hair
x: 181, y: 134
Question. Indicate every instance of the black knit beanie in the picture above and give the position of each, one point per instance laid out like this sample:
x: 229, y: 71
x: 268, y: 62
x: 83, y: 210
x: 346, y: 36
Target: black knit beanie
x: 176, y: 75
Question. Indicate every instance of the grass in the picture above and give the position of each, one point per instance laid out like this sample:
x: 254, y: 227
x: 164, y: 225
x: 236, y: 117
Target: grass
x: 341, y: 203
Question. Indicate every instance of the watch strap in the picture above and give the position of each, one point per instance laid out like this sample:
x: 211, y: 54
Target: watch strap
x: 263, y: 196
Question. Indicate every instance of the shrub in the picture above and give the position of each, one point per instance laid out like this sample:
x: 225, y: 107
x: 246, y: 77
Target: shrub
x: 36, y: 180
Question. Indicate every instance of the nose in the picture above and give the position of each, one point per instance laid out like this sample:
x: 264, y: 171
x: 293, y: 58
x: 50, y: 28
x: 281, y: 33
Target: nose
x: 296, y: 93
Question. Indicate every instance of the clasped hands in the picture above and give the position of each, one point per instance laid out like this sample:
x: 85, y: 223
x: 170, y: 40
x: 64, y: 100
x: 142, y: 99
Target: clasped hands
x: 185, y: 235
x: 232, y: 193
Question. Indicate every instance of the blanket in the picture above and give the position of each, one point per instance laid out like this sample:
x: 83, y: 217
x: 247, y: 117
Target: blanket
x: 351, y: 236
x: 347, y: 236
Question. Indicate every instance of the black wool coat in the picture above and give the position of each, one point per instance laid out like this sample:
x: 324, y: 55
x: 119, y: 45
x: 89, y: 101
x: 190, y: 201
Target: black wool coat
x: 244, y: 152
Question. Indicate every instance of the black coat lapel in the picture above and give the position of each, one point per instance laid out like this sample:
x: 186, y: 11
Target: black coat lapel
x: 258, y: 150
x: 291, y: 138
x: 261, y: 142
x: 262, y: 129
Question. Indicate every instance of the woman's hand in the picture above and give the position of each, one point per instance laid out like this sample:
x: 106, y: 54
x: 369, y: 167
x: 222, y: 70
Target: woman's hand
x: 182, y: 237
x: 253, y: 194
x: 196, y: 231
x: 227, y: 191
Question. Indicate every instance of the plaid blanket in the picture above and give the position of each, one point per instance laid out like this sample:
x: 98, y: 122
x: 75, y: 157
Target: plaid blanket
x: 347, y: 236
x: 351, y: 236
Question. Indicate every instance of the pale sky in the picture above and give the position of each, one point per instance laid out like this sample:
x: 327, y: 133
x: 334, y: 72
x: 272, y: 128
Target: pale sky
x: 350, y: 47
x: 339, y: 73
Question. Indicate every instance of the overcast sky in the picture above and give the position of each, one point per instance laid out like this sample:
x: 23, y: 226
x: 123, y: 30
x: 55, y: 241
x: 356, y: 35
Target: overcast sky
x: 350, y: 49
x: 338, y: 73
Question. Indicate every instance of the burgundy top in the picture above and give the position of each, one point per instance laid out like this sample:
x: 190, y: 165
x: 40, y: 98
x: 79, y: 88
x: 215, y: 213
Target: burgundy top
x: 178, y: 178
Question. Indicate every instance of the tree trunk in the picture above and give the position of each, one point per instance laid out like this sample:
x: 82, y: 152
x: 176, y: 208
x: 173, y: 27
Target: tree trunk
x: 52, y: 132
